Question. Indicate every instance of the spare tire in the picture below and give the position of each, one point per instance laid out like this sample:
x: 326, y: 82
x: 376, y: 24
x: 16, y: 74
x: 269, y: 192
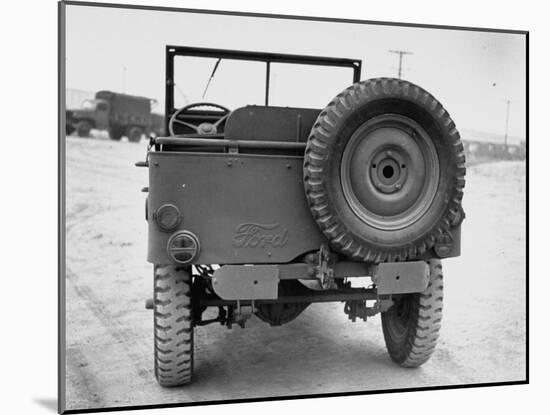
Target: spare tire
x: 384, y: 171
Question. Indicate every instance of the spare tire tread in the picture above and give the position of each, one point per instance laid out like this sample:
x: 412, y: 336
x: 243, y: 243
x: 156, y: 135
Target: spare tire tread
x: 318, y: 149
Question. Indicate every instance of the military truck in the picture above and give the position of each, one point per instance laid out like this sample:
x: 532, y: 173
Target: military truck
x: 263, y: 210
x: 119, y: 114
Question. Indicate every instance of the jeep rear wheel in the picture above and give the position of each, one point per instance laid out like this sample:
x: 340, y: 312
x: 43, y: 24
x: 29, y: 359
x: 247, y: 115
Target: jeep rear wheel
x: 411, y: 325
x: 384, y: 171
x: 173, y: 326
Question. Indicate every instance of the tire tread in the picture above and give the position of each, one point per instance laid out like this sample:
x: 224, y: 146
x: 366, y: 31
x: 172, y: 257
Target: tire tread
x: 173, y: 337
x: 427, y: 313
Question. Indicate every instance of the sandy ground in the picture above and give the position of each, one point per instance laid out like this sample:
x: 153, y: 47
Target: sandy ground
x: 109, y: 332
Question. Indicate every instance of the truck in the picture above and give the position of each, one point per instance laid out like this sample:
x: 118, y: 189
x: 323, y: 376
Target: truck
x: 119, y: 114
x: 262, y: 210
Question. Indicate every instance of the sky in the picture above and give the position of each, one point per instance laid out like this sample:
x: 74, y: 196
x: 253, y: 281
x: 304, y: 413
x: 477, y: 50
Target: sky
x: 473, y: 74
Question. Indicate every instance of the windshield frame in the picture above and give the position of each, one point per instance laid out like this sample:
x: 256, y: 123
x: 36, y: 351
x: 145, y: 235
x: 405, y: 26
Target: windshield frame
x: 266, y: 57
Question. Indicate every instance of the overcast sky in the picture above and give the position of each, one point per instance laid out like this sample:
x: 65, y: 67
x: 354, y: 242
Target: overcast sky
x: 471, y: 73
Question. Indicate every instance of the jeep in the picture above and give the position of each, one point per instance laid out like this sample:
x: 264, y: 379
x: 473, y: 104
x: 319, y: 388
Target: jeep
x: 261, y: 210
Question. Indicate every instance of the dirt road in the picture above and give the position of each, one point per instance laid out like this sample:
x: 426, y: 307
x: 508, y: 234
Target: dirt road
x: 109, y: 332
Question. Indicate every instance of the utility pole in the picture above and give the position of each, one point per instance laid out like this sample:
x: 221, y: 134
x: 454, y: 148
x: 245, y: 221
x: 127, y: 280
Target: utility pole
x: 400, y: 53
x: 507, y: 119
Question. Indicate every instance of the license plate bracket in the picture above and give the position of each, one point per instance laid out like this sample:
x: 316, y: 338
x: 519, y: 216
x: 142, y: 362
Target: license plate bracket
x: 402, y: 277
x: 246, y: 282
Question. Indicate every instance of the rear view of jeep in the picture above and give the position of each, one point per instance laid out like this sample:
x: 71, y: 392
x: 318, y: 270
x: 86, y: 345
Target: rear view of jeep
x: 259, y: 207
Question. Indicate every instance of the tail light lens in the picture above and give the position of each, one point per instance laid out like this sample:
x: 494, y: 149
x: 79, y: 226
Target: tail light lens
x: 168, y: 217
x: 183, y: 247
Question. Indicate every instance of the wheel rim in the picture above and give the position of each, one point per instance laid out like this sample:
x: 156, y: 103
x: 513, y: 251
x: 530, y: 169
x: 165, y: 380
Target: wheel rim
x: 390, y: 172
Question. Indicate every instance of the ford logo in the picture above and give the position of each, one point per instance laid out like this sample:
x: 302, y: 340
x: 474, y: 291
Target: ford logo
x: 257, y: 235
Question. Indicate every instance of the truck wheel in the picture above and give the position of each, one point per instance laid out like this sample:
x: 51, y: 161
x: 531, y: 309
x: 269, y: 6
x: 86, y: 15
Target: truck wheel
x: 173, y: 327
x: 411, y: 325
x: 134, y: 134
x: 69, y: 129
x: 384, y: 171
x: 83, y: 129
x: 116, y: 133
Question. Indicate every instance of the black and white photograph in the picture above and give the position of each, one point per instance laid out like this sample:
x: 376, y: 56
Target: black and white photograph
x: 260, y: 207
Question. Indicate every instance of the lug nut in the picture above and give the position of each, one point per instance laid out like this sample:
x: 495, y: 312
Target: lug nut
x: 398, y: 186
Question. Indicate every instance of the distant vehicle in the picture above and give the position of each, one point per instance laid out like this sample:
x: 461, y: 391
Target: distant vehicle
x: 119, y: 114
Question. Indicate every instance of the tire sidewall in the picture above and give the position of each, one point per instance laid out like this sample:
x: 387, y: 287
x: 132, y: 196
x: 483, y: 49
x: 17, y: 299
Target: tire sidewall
x: 414, y: 345
x: 399, y: 348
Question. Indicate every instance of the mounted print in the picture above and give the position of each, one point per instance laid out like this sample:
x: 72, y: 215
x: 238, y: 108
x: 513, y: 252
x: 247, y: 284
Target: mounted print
x: 269, y: 207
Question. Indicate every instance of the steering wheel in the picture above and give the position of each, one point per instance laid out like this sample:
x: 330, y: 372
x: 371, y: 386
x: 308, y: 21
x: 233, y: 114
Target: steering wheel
x: 205, y: 128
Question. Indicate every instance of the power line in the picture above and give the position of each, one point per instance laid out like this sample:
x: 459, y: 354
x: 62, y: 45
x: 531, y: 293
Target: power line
x: 400, y: 53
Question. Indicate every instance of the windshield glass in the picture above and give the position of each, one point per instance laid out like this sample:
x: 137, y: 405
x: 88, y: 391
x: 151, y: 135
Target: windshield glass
x: 236, y: 83
x: 308, y: 86
x: 102, y: 106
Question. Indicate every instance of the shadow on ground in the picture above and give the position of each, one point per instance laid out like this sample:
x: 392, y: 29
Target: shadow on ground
x: 48, y: 403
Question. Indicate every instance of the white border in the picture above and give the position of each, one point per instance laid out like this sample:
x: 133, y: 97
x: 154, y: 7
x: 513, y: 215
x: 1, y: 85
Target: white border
x: 29, y: 203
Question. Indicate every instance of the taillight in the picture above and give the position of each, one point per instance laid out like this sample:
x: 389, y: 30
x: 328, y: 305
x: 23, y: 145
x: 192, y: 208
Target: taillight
x: 168, y: 217
x: 183, y: 247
